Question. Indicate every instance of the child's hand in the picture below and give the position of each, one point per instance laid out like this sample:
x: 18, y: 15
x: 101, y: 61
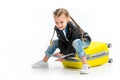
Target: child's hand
x: 59, y: 59
x: 57, y: 54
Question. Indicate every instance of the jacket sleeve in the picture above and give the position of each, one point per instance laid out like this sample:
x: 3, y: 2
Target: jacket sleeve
x: 86, y: 36
x: 76, y: 34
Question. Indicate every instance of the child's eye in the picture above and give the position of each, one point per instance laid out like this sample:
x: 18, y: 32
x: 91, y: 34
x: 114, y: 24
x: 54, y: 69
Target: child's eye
x: 56, y: 22
x: 62, y: 22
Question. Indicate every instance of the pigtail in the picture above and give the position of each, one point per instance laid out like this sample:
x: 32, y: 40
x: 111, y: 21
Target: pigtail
x: 51, y: 40
x: 80, y: 29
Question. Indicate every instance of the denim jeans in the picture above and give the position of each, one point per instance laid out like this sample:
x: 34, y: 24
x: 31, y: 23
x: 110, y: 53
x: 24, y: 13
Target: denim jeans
x: 77, y: 44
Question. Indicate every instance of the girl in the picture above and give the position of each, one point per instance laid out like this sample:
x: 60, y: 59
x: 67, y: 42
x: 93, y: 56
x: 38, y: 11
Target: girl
x: 71, y: 39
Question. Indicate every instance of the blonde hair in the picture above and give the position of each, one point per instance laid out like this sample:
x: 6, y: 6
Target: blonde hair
x: 58, y: 12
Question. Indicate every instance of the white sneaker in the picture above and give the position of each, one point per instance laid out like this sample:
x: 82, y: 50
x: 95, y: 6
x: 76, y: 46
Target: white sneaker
x: 40, y: 64
x: 85, y: 69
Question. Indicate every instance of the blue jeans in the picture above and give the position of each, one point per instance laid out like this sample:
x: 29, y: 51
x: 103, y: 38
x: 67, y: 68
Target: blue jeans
x: 77, y: 44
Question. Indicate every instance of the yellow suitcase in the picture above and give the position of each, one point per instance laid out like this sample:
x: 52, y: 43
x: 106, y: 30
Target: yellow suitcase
x: 97, y: 54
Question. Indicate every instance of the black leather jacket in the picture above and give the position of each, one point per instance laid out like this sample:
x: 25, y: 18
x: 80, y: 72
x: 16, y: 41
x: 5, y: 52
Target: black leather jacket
x: 72, y: 34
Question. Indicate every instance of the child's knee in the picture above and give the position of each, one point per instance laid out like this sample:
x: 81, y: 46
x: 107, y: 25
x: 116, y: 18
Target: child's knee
x: 76, y: 42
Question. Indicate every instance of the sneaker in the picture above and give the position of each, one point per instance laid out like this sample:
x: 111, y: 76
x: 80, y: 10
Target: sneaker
x: 85, y: 69
x: 40, y: 64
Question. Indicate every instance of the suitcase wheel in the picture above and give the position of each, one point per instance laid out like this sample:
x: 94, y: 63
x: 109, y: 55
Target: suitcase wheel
x: 109, y: 45
x: 110, y: 60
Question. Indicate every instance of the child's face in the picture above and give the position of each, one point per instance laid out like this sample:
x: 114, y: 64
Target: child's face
x: 61, y: 21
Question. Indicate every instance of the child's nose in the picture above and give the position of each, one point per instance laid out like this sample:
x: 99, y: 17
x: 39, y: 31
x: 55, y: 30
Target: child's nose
x: 59, y: 25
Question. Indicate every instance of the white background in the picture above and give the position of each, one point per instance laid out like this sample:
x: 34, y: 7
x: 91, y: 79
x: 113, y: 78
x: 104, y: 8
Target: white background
x: 26, y: 27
